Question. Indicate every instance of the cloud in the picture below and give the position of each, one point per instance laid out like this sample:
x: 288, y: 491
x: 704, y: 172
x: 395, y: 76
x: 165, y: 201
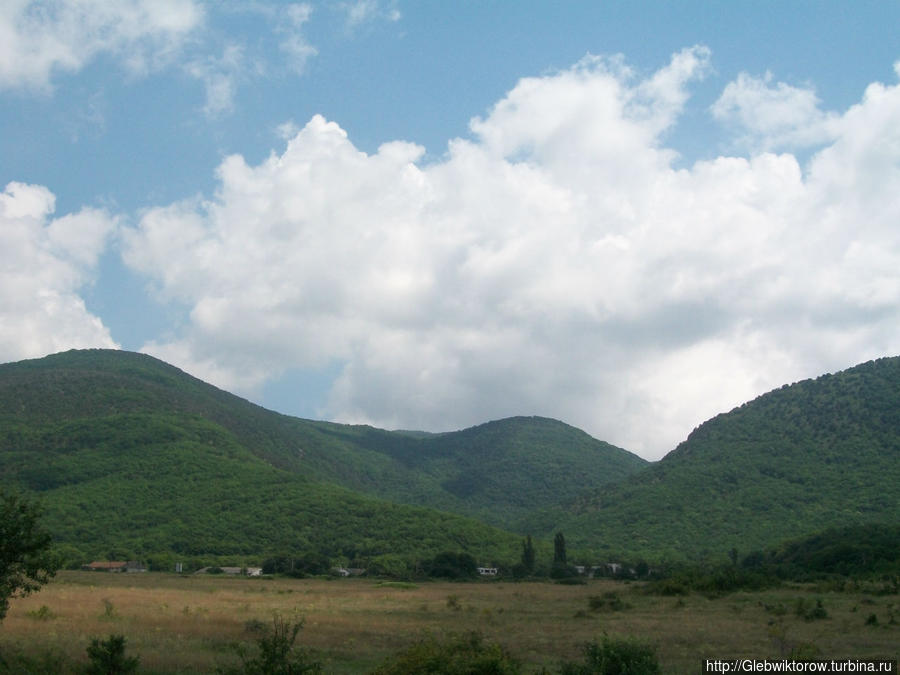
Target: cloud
x: 294, y: 44
x: 38, y: 39
x: 554, y: 263
x: 43, y: 264
x: 772, y: 117
x: 220, y: 77
x: 361, y: 12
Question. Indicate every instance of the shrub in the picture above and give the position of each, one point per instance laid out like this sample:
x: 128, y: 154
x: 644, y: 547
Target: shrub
x: 464, y: 654
x: 43, y: 613
x: 572, y: 581
x: 615, y: 657
x: 608, y: 601
x: 107, y: 657
x: 810, y: 613
x: 276, y: 653
x: 450, y: 565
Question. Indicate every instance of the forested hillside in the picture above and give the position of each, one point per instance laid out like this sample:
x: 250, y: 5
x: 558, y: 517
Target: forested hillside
x: 509, y: 473
x: 132, y: 456
x: 816, y: 454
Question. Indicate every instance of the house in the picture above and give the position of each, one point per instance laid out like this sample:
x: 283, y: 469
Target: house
x: 487, y: 571
x: 105, y: 566
x: 234, y: 571
x: 115, y: 566
x: 348, y: 571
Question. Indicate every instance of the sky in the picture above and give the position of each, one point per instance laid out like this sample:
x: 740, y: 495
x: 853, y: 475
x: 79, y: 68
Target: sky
x: 629, y: 216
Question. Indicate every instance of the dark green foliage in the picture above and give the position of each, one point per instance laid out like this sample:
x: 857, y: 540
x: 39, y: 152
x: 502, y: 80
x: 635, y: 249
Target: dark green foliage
x: 276, y: 653
x: 809, y: 612
x: 817, y: 454
x: 561, y: 569
x: 528, y: 556
x: 466, y: 654
x: 107, y: 657
x: 857, y: 551
x: 26, y: 562
x: 91, y: 429
x: 615, y: 657
x: 709, y: 579
x: 297, y: 566
x: 504, y: 472
x: 607, y: 602
x: 95, y: 428
x: 14, y: 661
x: 134, y: 459
x: 450, y: 565
x: 559, y: 549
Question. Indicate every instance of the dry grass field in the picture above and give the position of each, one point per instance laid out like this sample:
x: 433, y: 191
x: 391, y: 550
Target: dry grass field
x: 190, y: 623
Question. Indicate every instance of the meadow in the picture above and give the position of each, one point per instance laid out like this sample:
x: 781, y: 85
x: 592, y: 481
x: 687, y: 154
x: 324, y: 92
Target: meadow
x: 191, y: 623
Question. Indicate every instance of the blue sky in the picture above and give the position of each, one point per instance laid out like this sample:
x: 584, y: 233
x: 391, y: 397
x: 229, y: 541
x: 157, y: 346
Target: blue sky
x: 629, y: 216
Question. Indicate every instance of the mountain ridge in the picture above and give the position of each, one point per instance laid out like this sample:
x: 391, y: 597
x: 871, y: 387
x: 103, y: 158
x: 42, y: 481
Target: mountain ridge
x: 823, y: 452
x: 812, y: 455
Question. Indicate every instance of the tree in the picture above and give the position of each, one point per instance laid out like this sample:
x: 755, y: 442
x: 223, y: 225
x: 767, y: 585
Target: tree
x: 276, y: 653
x: 108, y: 656
x: 26, y: 562
x: 559, y: 549
x: 528, y: 555
x: 452, y: 565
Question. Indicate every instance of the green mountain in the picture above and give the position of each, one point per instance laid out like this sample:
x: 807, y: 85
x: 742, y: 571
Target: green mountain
x: 134, y: 457
x: 518, y: 473
x: 822, y: 453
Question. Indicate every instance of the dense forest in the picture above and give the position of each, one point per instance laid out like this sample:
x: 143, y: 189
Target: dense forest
x: 817, y: 454
x: 132, y: 458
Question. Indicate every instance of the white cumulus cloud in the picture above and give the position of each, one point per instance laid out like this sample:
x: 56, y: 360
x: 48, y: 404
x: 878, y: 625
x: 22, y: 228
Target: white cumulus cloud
x: 44, y: 262
x: 555, y: 263
x: 39, y: 38
x: 774, y: 116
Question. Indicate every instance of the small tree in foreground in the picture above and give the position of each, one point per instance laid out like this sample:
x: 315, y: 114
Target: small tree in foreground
x: 108, y: 657
x: 615, y: 657
x: 26, y: 563
x: 528, y: 558
x: 276, y: 653
x: 465, y: 654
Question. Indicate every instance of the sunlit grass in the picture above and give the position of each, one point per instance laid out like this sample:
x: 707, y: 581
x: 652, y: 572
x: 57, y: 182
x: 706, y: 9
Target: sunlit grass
x: 188, y: 624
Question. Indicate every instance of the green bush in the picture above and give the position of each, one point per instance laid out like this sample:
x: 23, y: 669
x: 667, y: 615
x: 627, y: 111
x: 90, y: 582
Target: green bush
x: 44, y: 613
x: 450, y: 565
x: 608, y: 601
x: 615, y: 657
x: 107, y: 657
x: 465, y: 654
x: 807, y: 613
x: 276, y: 653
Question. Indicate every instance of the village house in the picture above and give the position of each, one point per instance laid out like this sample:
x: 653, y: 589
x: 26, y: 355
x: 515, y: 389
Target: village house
x: 115, y: 566
x: 234, y: 571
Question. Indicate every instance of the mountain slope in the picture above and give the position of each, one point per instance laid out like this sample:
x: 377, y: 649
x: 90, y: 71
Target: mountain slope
x: 517, y: 473
x: 816, y: 454
x: 502, y: 472
x: 144, y: 485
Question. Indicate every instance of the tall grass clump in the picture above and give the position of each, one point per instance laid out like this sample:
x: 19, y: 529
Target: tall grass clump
x: 276, y: 653
x: 462, y: 654
x: 614, y: 657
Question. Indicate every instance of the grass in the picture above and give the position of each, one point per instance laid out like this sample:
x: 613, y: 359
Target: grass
x: 189, y: 624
